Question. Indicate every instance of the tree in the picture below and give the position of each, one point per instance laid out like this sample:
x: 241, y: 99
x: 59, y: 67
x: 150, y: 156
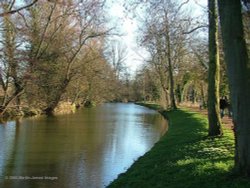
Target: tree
x: 238, y: 67
x: 215, y: 127
x: 55, y: 44
x: 163, y: 37
x: 11, y: 74
x: 159, y: 65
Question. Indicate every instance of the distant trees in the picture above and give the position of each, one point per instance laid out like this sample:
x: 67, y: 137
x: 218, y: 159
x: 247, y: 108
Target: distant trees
x: 146, y: 86
x: 116, y: 54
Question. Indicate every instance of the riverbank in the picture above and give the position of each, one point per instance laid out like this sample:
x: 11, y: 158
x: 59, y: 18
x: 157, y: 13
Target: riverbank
x: 26, y: 111
x: 16, y: 113
x: 185, y: 157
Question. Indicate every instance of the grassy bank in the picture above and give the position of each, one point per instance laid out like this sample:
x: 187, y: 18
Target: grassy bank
x: 185, y: 157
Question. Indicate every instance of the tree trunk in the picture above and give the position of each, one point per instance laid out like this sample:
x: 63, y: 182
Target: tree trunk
x: 214, y: 119
x: 238, y: 67
x: 165, y: 90
x: 203, y: 101
x: 170, y: 71
x: 178, y: 93
x: 57, y: 97
x: 171, y: 79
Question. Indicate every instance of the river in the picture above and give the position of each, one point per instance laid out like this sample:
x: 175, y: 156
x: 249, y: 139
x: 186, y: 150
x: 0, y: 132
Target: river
x: 88, y: 148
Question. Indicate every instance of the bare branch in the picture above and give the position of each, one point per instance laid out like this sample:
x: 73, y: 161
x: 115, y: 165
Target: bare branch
x: 17, y: 10
x: 12, y: 4
x: 182, y: 4
x: 196, y: 28
x: 45, y: 29
x: 24, y: 19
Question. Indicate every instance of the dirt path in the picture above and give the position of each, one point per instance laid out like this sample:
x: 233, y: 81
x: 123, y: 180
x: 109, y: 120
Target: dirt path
x: 227, y: 121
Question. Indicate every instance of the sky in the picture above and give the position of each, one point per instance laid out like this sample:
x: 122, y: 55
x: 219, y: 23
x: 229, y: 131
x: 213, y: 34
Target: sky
x: 129, y: 25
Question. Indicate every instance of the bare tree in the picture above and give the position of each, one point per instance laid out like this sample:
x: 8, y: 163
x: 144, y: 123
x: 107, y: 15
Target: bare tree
x: 164, y: 28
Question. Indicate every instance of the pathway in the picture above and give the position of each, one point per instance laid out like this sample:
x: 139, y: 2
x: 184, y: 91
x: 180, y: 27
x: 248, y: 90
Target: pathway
x: 226, y: 120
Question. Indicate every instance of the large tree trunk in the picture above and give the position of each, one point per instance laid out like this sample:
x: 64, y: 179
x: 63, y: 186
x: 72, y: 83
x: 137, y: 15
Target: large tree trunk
x: 214, y: 119
x: 165, y: 91
x: 238, y: 67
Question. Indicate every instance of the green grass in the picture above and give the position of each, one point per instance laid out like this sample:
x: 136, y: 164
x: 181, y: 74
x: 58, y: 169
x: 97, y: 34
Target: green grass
x: 185, y: 157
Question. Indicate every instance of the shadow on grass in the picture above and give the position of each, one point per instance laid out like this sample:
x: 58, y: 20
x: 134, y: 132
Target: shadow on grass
x: 185, y: 157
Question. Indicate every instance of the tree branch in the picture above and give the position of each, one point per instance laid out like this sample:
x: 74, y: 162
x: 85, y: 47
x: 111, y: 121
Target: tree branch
x: 12, y: 4
x: 182, y: 4
x: 194, y: 29
x: 17, y: 10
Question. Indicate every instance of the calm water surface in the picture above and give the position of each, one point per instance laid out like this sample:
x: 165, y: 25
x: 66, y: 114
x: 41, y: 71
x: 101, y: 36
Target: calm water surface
x: 86, y: 149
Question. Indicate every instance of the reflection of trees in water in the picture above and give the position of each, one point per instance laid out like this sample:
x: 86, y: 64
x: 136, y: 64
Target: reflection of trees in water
x: 11, y: 168
x: 155, y: 121
x: 77, y: 147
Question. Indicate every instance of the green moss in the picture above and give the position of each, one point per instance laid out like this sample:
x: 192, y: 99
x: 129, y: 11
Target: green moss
x: 185, y: 157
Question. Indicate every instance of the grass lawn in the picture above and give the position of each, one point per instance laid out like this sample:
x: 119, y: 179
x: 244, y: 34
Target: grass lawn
x: 185, y: 157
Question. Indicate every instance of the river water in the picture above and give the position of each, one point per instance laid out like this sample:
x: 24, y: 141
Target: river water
x: 86, y: 149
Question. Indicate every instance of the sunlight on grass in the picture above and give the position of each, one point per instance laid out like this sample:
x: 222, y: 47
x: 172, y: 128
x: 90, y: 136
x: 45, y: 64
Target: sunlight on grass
x: 185, y: 157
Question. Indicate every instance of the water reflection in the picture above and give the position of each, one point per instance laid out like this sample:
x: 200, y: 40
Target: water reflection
x: 86, y: 149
